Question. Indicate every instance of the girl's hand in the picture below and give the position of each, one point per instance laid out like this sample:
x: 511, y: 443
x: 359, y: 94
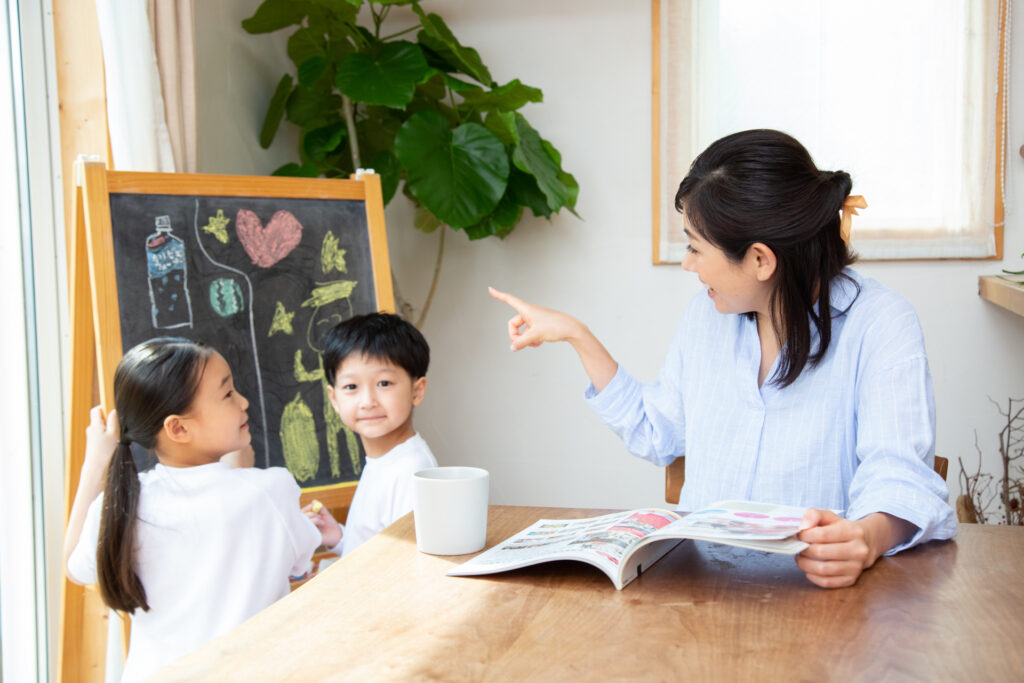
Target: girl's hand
x: 841, y: 549
x: 101, y: 438
x: 330, y: 530
x: 243, y: 457
x: 534, y: 325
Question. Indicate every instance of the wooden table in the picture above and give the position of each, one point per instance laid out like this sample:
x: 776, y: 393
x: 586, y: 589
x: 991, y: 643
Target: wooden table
x: 944, y: 611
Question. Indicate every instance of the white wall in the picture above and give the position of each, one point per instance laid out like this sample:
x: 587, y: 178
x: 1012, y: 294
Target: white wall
x: 522, y: 415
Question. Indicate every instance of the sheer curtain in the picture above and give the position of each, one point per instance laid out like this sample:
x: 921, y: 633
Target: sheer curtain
x: 149, y: 64
x: 902, y: 95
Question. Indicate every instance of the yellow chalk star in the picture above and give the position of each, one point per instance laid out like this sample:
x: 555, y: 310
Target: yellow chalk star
x: 282, y: 321
x: 218, y: 226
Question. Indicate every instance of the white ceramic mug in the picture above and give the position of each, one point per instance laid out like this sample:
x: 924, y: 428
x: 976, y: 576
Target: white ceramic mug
x: 450, y: 509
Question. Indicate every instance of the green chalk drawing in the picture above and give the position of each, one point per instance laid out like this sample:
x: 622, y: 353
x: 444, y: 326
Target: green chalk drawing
x: 298, y: 440
x: 282, y: 321
x: 217, y: 226
x: 226, y: 297
x: 303, y: 375
x: 332, y: 422
x: 332, y: 258
x: 330, y: 292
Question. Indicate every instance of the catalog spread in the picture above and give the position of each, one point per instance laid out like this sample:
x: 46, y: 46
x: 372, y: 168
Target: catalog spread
x: 623, y: 544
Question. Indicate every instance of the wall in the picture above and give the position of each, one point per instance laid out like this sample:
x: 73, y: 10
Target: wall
x: 522, y: 415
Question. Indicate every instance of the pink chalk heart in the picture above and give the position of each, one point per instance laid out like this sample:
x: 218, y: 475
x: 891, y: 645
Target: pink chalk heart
x: 268, y: 245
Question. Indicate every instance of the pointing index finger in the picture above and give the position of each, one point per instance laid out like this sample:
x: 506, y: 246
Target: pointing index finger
x: 513, y: 301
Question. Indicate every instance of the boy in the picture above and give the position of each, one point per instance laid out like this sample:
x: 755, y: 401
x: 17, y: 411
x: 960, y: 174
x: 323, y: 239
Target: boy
x: 376, y: 366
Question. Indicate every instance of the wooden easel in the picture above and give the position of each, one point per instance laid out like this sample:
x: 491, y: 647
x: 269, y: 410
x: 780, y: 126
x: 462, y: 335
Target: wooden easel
x: 96, y: 346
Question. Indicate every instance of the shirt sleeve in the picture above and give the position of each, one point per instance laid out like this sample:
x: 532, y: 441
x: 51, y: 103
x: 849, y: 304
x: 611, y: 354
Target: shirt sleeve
x: 304, y: 536
x: 401, y: 496
x: 896, y: 433
x: 649, y: 418
x: 81, y: 563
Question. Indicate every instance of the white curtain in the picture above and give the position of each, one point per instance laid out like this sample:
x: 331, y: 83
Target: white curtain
x: 134, y: 34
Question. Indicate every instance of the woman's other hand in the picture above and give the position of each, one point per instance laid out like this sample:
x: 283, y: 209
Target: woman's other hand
x: 841, y: 549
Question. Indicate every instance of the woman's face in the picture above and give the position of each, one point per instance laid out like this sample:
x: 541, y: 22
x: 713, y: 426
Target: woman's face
x: 734, y: 287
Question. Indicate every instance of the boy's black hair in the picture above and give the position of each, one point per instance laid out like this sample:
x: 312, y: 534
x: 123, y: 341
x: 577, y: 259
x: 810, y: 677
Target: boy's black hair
x: 384, y: 336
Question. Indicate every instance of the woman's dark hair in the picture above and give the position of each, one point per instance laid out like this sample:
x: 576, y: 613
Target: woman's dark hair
x: 155, y: 379
x: 762, y: 186
x: 385, y: 336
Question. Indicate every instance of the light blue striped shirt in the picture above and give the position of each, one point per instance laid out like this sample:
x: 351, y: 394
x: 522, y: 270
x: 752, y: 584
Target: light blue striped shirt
x: 856, y: 432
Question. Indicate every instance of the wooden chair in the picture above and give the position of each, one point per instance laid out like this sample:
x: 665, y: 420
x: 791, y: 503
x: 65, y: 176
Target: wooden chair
x: 675, y: 474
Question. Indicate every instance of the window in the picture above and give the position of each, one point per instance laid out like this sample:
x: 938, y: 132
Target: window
x: 907, y: 97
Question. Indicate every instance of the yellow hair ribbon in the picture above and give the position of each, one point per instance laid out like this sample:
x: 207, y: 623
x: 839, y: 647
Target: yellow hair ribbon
x: 849, y: 210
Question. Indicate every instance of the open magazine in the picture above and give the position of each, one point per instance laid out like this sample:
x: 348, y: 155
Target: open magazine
x: 623, y: 544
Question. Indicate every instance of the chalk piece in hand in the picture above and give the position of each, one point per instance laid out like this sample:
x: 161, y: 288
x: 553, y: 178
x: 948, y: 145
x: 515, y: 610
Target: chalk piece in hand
x: 317, y: 507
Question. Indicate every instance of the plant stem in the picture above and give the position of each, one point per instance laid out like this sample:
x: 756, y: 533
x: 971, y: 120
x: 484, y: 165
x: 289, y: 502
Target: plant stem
x: 350, y: 124
x: 433, y: 284
x: 402, y: 307
x: 400, y: 33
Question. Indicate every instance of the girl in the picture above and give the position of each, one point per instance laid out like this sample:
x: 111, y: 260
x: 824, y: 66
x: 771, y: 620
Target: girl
x: 794, y: 380
x: 193, y: 547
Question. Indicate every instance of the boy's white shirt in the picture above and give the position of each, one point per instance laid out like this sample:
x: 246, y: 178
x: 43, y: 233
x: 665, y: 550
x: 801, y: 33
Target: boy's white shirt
x: 385, y: 491
x: 215, y: 545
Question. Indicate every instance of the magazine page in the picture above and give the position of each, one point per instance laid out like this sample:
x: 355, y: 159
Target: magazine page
x: 761, y: 526
x: 602, y: 541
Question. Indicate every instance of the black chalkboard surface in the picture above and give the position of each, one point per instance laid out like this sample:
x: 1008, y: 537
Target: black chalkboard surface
x: 260, y: 278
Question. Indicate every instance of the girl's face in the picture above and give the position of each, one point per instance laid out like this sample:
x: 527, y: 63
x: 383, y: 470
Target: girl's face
x: 216, y: 422
x: 734, y: 287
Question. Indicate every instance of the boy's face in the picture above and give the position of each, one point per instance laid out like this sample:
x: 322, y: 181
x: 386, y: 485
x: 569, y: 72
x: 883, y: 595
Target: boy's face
x: 374, y: 397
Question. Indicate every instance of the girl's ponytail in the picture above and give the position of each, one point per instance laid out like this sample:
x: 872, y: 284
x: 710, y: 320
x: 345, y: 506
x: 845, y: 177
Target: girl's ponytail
x: 119, y: 584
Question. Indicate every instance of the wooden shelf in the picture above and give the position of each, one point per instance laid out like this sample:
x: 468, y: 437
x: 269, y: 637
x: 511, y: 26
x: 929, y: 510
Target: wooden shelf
x: 1006, y: 294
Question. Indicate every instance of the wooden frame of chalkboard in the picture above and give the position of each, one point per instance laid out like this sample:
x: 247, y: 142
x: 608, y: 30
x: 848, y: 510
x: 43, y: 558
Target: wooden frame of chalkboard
x: 345, y: 219
x: 322, y: 244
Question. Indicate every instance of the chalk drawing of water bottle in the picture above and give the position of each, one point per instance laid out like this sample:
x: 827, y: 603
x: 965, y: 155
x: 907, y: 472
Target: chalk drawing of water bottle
x: 168, y: 278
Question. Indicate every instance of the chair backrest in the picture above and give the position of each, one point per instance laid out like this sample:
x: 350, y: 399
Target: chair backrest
x: 675, y: 475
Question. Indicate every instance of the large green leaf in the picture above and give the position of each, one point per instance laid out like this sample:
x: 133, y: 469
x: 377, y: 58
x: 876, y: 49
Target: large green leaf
x: 311, y: 70
x: 275, y: 14
x: 508, y: 97
x: 389, y: 77
x: 307, y: 170
x: 385, y: 165
x: 499, y: 223
x: 503, y: 125
x: 531, y: 156
x: 309, y: 107
x: 424, y: 221
x: 438, y: 37
x: 459, y: 85
x: 522, y: 188
x: 319, y: 142
x: 459, y: 175
x: 304, y: 44
x: 275, y: 111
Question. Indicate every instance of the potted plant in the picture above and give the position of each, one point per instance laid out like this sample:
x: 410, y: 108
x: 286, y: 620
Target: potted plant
x: 419, y: 108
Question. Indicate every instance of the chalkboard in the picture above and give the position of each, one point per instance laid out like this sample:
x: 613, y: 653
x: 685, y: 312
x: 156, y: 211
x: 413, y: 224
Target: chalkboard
x: 258, y: 268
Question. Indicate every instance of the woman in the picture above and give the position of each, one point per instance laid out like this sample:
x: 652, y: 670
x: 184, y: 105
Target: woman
x: 795, y: 380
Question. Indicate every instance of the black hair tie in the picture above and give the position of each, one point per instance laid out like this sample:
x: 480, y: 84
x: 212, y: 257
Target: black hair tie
x: 124, y: 442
